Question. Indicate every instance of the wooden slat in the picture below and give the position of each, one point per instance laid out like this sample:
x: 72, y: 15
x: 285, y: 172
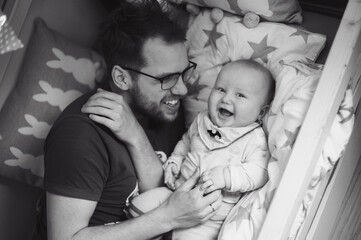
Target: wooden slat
x: 326, y: 218
x: 349, y: 218
x: 329, y: 93
x: 314, y: 208
x: 356, y: 85
x: 320, y: 195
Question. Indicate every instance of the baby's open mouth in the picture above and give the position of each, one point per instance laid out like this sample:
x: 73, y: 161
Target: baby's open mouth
x: 225, y: 112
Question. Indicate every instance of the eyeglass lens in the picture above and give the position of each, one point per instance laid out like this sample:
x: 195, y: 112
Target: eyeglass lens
x: 171, y: 81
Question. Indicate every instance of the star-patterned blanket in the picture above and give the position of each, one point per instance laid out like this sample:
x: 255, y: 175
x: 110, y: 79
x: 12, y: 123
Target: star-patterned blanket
x: 289, y: 53
x: 282, y: 123
x: 270, y: 10
x: 211, y: 45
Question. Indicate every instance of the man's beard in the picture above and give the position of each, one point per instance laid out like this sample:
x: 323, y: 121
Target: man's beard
x: 148, y: 107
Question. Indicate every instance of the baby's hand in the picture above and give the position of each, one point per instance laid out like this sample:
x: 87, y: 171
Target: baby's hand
x: 171, y: 173
x: 212, y: 179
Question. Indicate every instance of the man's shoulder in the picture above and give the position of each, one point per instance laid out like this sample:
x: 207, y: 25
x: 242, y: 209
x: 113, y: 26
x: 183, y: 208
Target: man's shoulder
x: 74, y: 108
x: 72, y: 121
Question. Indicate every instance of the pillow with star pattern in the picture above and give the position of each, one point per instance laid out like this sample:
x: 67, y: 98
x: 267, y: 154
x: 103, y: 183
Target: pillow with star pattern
x: 211, y: 45
x: 286, y: 11
x: 55, y: 71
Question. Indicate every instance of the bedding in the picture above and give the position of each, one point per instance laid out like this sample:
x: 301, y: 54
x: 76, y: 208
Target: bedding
x: 283, y: 121
x: 211, y: 45
x: 289, y: 52
x: 333, y: 149
x: 287, y: 11
x: 55, y: 72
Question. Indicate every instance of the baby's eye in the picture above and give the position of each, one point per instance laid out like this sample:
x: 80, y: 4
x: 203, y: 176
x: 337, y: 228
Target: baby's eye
x: 240, y: 95
x: 221, y: 90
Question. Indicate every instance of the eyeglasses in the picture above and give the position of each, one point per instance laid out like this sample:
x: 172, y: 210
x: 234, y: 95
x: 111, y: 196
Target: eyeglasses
x: 169, y: 81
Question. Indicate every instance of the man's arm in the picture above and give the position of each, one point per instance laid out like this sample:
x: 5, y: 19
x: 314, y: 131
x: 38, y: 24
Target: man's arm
x: 112, y: 111
x: 146, y: 163
x: 68, y: 217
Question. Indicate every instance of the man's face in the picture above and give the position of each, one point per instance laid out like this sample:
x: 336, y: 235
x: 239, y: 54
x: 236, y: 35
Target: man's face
x: 161, y: 60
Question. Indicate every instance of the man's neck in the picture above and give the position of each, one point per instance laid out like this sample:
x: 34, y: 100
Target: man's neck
x: 145, y: 121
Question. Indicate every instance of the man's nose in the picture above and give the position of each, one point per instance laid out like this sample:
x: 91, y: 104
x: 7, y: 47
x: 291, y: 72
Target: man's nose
x: 179, y: 88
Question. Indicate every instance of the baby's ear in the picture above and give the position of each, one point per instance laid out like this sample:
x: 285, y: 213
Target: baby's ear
x: 263, y: 112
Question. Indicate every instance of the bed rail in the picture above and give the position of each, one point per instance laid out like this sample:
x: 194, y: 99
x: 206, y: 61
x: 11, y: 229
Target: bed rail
x: 341, y: 67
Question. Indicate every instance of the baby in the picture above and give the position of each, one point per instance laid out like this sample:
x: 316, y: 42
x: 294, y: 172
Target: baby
x: 227, y: 144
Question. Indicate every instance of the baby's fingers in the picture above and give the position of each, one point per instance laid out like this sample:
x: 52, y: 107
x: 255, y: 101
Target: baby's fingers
x: 210, y: 189
x: 204, y: 178
x: 170, y: 185
x: 175, y: 171
x: 206, y: 184
x: 169, y: 181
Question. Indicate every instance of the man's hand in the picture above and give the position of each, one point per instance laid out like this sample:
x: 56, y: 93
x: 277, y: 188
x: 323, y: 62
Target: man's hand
x: 189, y: 206
x: 171, y: 173
x: 110, y: 110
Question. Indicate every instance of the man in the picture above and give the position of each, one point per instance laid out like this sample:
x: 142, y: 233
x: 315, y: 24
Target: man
x: 98, y: 153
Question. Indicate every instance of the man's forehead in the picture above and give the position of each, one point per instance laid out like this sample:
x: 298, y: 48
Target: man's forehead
x: 172, y: 57
x: 158, y: 47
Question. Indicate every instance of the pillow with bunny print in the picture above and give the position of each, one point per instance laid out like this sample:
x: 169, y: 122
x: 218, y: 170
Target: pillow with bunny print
x: 55, y: 71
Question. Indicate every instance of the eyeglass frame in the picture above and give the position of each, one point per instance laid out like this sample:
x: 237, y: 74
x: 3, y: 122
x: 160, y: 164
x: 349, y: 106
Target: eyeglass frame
x: 161, y: 79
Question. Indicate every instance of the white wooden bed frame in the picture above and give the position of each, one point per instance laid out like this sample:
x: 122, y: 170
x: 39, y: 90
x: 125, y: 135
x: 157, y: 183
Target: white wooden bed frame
x: 342, y: 66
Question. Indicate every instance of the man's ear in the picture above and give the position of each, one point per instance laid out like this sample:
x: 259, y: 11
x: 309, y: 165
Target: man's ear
x: 121, y: 78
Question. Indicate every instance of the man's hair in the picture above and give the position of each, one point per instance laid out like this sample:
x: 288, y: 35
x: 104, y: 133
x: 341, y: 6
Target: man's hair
x: 123, y: 34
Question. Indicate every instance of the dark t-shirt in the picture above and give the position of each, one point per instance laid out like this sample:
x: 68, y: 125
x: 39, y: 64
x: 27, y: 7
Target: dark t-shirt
x: 85, y: 160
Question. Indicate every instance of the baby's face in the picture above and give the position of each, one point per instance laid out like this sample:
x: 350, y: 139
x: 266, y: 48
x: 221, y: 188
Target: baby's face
x: 237, y: 96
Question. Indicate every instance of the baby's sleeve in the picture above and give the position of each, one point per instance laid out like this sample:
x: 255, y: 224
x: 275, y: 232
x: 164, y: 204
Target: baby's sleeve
x: 252, y: 172
x: 182, y: 147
